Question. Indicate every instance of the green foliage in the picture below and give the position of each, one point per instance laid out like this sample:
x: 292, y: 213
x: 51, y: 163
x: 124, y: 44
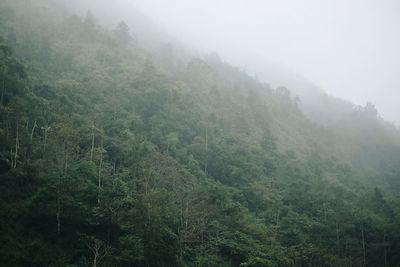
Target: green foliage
x: 107, y: 159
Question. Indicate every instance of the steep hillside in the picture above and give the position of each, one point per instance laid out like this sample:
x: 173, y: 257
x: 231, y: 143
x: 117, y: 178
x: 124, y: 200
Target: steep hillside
x: 111, y: 155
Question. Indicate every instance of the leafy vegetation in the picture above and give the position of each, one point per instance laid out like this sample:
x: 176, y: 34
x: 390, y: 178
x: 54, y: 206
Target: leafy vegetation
x: 112, y: 156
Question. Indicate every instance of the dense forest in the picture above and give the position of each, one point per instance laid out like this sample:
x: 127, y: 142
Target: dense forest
x: 112, y: 154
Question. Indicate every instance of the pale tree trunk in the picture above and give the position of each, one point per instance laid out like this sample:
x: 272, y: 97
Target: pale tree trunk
x: 12, y: 157
x: 337, y: 238
x: 16, y: 148
x: 58, y: 211
x: 92, y: 148
x: 363, y: 245
x: 187, y: 216
x: 277, y: 218
x: 183, y: 225
x: 99, y: 251
x: 3, y: 90
x: 45, y: 129
x: 147, y: 185
x: 100, y: 166
x: 206, y: 150
x: 33, y: 130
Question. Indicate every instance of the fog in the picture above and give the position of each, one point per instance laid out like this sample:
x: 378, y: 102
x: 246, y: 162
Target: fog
x: 351, y: 49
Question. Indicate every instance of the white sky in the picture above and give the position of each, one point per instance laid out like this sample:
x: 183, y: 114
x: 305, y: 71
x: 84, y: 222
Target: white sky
x: 350, y: 48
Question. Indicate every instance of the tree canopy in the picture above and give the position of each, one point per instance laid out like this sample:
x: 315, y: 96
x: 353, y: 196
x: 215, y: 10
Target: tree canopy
x: 113, y: 156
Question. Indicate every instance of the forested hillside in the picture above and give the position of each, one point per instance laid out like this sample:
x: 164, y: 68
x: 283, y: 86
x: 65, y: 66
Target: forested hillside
x: 111, y: 155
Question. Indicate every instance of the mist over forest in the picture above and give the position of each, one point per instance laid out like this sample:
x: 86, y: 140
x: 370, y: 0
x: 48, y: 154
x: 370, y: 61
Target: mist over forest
x: 199, y: 133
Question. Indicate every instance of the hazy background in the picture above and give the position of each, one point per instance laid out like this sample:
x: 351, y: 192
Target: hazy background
x: 350, y: 48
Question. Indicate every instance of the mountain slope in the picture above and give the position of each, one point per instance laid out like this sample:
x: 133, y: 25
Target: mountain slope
x: 113, y: 156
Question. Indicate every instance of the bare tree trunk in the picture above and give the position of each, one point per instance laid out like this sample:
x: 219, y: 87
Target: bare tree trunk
x: 3, y: 89
x: 187, y: 216
x: 99, y: 251
x: 100, y: 165
x: 16, y: 148
x: 337, y: 238
x: 277, y: 218
x: 181, y: 219
x: 206, y: 150
x: 58, y: 211
x: 66, y: 165
x: 45, y: 129
x: 363, y: 245
x: 33, y: 130
x: 91, y: 150
x: 12, y: 157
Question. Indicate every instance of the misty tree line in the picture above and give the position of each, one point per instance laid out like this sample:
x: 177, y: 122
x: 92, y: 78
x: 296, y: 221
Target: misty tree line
x: 112, y: 156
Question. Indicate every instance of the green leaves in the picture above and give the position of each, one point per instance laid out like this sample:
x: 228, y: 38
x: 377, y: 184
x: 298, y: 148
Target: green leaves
x: 105, y: 151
